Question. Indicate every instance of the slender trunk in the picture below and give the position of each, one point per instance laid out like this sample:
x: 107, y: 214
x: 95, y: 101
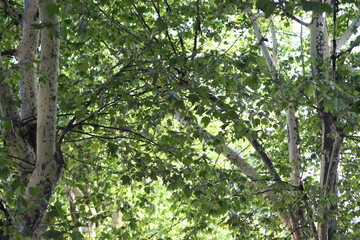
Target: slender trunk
x: 294, y: 146
x: 49, y: 161
x: 27, y: 57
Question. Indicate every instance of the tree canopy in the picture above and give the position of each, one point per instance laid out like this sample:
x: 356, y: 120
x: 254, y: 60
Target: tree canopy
x: 187, y: 119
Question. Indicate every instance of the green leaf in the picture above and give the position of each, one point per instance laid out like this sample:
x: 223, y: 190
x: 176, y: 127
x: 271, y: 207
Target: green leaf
x: 141, y: 10
x: 316, y: 7
x: 356, y: 107
x: 205, y: 121
x: 80, y: 113
x: 112, y: 148
x: 267, y: 6
x: 203, y: 92
x: 34, y: 191
x: 76, y: 236
x: 4, y: 173
x: 52, y: 9
x: 126, y: 216
x: 126, y: 180
x: 82, y: 66
x: 53, y: 234
x: 58, y: 206
x: 252, y: 81
x: 82, y: 28
x: 261, y: 61
x: 232, y: 115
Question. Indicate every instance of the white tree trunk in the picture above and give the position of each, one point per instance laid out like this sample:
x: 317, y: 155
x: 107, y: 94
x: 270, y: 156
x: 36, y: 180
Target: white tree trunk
x: 27, y: 57
x: 49, y: 163
x: 294, y: 146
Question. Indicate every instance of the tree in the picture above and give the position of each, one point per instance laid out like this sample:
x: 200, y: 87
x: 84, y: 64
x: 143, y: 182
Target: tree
x: 180, y: 118
x: 30, y: 135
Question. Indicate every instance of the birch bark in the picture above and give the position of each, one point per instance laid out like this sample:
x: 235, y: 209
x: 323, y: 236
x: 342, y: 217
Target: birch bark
x: 27, y: 57
x: 49, y: 162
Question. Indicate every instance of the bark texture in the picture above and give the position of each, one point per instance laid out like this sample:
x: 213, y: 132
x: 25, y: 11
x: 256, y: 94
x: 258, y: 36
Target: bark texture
x: 31, y: 133
x: 49, y: 162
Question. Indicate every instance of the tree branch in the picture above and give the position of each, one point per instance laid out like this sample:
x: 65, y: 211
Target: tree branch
x: 265, y: 158
x: 197, y: 28
x: 226, y: 151
x: 289, y: 15
x: 264, y: 49
x: 275, y: 44
x: 332, y: 174
x: 348, y: 33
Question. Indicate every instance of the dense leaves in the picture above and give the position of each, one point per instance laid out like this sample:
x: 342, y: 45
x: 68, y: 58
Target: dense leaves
x: 151, y: 96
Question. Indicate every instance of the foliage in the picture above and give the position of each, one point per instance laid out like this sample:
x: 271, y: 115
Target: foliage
x: 151, y: 94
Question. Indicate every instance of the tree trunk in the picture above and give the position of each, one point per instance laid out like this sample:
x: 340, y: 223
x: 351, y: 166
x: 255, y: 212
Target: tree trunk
x: 31, y: 139
x: 49, y: 161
